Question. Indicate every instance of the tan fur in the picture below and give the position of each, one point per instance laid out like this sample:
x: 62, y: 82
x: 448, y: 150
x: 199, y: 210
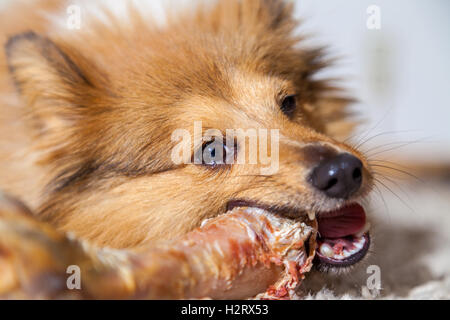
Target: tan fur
x: 87, y: 116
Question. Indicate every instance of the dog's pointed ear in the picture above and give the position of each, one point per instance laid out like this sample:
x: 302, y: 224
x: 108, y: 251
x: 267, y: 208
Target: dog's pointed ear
x: 49, y: 82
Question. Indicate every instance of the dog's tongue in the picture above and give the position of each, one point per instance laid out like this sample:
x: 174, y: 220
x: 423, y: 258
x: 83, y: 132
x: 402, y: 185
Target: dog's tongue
x: 344, y: 222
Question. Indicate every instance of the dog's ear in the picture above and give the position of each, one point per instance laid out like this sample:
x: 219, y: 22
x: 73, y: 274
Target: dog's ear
x: 49, y: 82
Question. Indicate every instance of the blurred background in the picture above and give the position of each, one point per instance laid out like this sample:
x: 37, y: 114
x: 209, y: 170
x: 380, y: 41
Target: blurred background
x: 394, y: 56
x: 400, y: 72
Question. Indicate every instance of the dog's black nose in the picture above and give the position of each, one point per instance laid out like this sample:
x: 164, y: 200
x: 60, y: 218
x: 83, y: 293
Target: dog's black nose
x: 338, y: 177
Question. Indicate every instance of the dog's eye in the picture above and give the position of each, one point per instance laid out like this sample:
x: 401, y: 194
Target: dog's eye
x: 215, y: 153
x: 289, y: 104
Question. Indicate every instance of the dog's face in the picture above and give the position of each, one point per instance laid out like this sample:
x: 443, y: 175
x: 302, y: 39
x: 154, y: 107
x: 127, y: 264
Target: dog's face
x: 105, y: 114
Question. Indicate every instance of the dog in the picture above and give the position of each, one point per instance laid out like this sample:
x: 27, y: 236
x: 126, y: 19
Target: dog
x: 88, y: 117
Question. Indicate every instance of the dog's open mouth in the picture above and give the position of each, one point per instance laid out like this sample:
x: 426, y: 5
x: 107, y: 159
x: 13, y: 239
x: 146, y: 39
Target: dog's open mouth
x: 343, y: 238
x: 343, y: 234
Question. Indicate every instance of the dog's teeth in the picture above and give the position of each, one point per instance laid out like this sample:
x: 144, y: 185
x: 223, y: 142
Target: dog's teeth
x: 311, y: 215
x: 326, y: 250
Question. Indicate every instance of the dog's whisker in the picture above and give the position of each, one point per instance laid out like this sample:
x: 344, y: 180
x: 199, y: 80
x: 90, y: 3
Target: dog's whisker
x: 402, y: 144
x: 395, y: 194
x: 382, y: 134
x: 399, y: 171
x: 374, y: 127
x: 388, y: 179
x: 375, y: 148
x: 380, y: 195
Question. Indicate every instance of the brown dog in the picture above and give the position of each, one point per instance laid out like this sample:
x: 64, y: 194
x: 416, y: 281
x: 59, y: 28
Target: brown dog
x: 87, y: 118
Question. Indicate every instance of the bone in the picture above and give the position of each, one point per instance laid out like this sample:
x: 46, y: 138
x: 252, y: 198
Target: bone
x: 243, y: 254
